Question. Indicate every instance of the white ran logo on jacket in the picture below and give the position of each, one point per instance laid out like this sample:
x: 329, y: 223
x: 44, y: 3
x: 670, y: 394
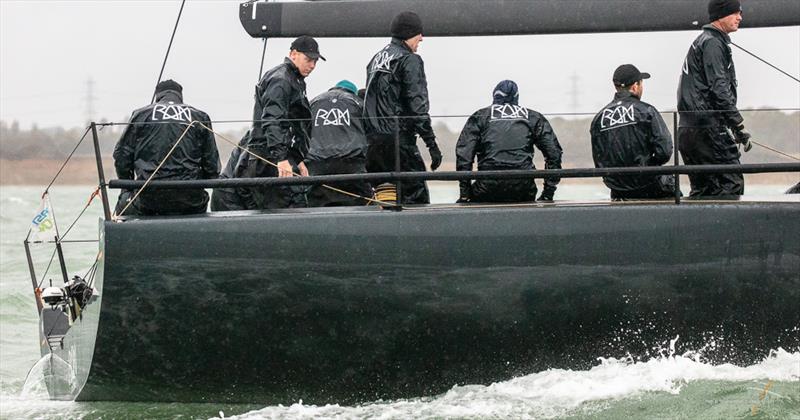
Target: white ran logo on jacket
x: 508, y: 111
x: 333, y: 116
x: 382, y: 62
x: 172, y: 112
x: 619, y: 116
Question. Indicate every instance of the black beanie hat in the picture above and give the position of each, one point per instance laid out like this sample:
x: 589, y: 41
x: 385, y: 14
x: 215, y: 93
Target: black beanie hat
x: 720, y: 8
x: 169, y: 85
x: 406, y: 25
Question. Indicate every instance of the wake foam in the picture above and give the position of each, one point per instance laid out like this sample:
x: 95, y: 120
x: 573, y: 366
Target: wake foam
x: 556, y: 392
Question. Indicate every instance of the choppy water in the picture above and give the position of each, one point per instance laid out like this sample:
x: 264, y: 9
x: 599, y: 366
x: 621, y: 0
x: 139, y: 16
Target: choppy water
x: 668, y: 386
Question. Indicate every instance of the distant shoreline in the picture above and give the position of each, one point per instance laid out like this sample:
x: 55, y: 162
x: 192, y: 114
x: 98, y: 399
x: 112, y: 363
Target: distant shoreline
x: 83, y: 171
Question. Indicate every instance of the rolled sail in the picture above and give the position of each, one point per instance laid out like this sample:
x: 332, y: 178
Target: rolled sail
x: 372, y: 18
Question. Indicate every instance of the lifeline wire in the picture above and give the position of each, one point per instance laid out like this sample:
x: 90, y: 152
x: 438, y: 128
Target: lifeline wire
x: 168, y: 49
x: 435, y: 116
x: 767, y: 63
x: 246, y: 150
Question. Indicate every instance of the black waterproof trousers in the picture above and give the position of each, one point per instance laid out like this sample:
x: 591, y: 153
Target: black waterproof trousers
x: 163, y: 203
x: 321, y: 196
x: 380, y: 158
x: 226, y: 199
x: 505, y: 191
x: 664, y: 188
x: 711, y: 146
x: 281, y: 197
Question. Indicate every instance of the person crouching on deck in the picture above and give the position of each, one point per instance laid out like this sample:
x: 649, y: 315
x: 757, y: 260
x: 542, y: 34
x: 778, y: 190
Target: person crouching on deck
x: 338, y: 146
x: 502, y: 137
x: 629, y: 132
x: 147, y: 142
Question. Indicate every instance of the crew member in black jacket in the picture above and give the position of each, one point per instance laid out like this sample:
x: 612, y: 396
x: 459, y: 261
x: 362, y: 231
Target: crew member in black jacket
x: 281, y: 125
x: 146, y: 142
x: 228, y: 199
x: 502, y: 136
x: 710, y: 124
x: 338, y: 146
x: 397, y: 88
x: 629, y: 132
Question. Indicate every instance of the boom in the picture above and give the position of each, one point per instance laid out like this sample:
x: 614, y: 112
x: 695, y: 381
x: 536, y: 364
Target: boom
x: 372, y: 18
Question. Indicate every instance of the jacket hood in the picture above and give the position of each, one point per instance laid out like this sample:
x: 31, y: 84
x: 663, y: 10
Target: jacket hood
x: 506, y: 92
x: 169, y: 95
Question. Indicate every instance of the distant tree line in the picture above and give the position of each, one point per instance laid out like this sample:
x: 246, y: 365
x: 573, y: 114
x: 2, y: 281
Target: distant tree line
x: 776, y: 129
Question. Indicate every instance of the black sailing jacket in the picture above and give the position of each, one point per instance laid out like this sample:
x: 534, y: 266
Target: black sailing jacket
x: 396, y: 86
x: 337, y: 129
x: 143, y: 146
x: 281, y: 115
x: 502, y: 136
x: 707, y: 88
x: 629, y: 132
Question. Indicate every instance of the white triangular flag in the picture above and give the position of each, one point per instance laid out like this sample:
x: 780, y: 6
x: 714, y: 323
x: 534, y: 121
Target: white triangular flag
x: 43, y: 225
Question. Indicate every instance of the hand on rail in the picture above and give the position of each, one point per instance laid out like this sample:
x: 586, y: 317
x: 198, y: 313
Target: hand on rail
x: 285, y: 169
x: 303, y: 169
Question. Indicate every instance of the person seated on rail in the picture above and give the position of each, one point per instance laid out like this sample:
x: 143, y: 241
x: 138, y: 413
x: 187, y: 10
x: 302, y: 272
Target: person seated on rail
x: 228, y: 199
x: 338, y: 145
x: 503, y: 136
x: 629, y: 132
x: 150, y: 140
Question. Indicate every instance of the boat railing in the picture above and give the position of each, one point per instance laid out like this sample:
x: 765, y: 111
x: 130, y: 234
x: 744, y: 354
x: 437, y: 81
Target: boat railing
x: 398, y: 176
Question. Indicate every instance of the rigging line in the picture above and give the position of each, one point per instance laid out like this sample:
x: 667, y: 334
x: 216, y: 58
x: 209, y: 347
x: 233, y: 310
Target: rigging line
x: 55, y: 223
x: 263, y: 54
x: 164, y: 64
x: 92, y: 271
x: 150, y: 178
x: 74, y: 241
x: 775, y: 150
x: 767, y: 63
x: 63, y: 165
x: 334, y: 189
x: 94, y: 194
x: 52, y: 257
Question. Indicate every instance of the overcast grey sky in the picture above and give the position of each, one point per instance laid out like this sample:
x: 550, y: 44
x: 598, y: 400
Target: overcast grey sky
x: 49, y: 49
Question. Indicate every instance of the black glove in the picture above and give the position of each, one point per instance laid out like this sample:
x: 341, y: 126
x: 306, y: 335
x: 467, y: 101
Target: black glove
x: 464, y: 191
x: 436, y: 155
x: 547, y: 195
x: 742, y: 137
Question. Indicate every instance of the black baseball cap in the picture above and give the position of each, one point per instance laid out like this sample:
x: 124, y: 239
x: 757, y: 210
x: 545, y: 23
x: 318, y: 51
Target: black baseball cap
x: 628, y: 74
x: 308, y: 46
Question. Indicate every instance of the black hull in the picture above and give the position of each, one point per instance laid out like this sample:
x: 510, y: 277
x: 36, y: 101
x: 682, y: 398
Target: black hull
x: 357, y: 305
